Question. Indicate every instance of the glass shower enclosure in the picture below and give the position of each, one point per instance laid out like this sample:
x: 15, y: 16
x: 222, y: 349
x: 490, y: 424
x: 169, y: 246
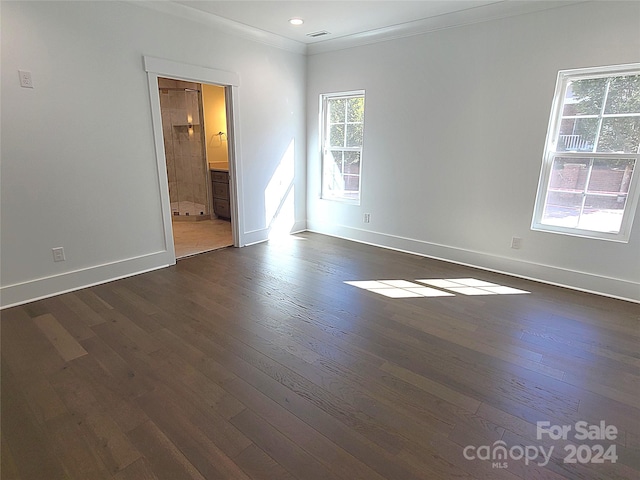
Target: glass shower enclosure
x: 183, y: 132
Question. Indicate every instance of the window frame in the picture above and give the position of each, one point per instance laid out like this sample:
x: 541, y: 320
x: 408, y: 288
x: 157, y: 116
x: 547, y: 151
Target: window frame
x: 324, y: 146
x: 550, y: 154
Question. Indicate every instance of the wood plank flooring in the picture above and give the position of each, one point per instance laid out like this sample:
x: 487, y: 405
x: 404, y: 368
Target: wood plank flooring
x: 261, y: 363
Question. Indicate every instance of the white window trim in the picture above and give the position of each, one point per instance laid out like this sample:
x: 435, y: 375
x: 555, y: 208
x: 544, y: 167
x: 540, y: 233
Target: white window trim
x: 323, y: 99
x: 550, y: 151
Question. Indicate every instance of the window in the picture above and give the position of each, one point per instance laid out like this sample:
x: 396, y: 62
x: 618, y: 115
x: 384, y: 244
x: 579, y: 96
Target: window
x: 588, y: 183
x: 342, y: 134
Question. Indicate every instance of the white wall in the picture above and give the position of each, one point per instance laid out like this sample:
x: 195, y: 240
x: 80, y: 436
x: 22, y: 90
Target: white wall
x: 455, y: 124
x: 464, y: 106
x: 78, y: 166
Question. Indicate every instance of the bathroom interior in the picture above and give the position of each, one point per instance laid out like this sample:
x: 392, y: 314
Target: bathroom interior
x: 194, y: 127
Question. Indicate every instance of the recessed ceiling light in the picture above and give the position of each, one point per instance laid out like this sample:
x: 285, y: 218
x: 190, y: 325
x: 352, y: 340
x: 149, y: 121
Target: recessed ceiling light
x: 296, y: 21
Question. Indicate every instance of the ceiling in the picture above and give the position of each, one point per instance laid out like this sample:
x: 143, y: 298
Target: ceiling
x: 348, y: 21
x: 340, y: 18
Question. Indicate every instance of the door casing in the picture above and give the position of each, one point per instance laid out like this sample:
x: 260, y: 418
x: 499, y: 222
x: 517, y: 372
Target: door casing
x: 157, y: 67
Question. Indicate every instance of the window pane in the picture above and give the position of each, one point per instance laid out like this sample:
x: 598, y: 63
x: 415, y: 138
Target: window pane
x: 577, y: 134
x: 354, y: 135
x: 343, y: 117
x: 336, y: 138
x: 356, y: 110
x: 337, y: 160
x: 584, y: 191
x: 584, y: 97
x: 352, y: 183
x: 569, y: 174
x: 336, y: 110
x: 562, y: 209
x: 352, y: 162
x: 602, y: 214
x: 624, y: 95
x: 333, y: 182
x: 620, y: 135
x: 611, y: 176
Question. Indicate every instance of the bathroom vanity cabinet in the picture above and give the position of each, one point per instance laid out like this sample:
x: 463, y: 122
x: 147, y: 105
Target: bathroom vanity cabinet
x: 220, y: 189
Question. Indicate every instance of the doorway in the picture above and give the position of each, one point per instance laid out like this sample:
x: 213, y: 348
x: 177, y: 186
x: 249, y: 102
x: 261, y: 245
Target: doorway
x: 194, y: 128
x: 157, y: 68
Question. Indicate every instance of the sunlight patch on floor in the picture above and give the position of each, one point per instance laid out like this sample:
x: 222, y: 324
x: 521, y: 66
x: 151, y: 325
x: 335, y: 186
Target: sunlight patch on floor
x: 443, y: 287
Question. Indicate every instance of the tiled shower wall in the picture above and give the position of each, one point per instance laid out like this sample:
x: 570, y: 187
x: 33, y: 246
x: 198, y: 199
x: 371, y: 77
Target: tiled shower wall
x: 183, y: 132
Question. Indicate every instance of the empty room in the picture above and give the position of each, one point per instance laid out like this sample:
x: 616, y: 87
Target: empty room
x: 421, y: 257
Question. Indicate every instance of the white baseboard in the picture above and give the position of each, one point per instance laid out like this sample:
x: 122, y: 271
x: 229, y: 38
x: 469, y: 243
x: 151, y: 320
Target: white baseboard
x: 31, y: 290
x: 261, y: 235
x: 20, y: 293
x: 573, y: 279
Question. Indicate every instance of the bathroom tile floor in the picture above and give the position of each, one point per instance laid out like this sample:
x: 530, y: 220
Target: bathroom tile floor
x: 191, y: 238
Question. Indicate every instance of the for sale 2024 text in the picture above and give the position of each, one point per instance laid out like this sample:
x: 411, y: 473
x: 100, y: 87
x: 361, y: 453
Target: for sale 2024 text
x: 581, y: 431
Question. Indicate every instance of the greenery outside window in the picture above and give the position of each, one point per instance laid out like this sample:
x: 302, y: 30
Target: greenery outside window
x: 342, y: 139
x: 589, y: 180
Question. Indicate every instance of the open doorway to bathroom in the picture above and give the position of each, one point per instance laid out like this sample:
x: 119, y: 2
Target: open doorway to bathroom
x: 194, y: 126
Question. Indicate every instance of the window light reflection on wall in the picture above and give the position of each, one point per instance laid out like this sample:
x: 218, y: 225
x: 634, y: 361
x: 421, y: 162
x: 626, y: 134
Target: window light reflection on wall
x: 437, y: 287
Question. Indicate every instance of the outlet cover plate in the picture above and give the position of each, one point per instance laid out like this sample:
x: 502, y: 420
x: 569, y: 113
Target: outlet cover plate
x: 58, y: 254
x: 25, y: 79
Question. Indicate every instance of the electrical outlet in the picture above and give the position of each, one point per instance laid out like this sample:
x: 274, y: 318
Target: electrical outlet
x: 516, y: 243
x: 58, y: 254
x: 25, y: 79
x: 366, y: 218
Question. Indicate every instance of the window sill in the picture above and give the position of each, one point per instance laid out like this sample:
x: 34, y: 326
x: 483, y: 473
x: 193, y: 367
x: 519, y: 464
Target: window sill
x: 576, y: 232
x: 346, y: 201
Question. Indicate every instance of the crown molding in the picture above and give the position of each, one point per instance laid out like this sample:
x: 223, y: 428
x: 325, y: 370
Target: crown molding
x: 482, y: 13
x: 473, y: 15
x: 223, y: 25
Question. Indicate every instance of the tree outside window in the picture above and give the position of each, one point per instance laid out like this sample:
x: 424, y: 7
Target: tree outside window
x: 342, y: 140
x: 588, y: 186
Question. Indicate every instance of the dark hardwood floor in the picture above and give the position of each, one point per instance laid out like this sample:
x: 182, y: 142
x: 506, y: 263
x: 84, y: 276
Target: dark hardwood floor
x: 261, y: 363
